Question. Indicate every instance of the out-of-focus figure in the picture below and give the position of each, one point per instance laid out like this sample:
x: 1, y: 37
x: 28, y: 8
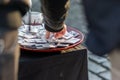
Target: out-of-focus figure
x: 103, y: 18
x: 11, y: 12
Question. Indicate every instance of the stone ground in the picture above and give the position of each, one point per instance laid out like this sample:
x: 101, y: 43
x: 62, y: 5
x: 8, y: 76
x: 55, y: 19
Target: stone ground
x: 99, y: 67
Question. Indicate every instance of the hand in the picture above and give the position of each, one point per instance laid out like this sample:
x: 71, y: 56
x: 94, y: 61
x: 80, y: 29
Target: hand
x: 56, y: 34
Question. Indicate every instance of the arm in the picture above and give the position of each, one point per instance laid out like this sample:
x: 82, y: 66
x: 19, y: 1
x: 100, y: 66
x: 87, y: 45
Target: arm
x: 55, y: 12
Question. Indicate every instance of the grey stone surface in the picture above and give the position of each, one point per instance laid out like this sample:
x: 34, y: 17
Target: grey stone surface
x: 107, y: 64
x: 97, y: 59
x: 76, y: 16
x: 93, y: 77
x: 95, y: 68
x: 35, y: 5
x: 106, y: 75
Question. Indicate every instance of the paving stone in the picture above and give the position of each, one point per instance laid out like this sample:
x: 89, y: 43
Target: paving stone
x: 106, y: 75
x: 76, y: 17
x: 95, y: 68
x: 106, y: 64
x: 97, y: 58
x: 93, y: 76
x: 36, y: 5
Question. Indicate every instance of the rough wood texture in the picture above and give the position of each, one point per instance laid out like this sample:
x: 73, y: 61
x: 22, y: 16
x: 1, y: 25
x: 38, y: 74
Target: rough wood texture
x: 79, y: 47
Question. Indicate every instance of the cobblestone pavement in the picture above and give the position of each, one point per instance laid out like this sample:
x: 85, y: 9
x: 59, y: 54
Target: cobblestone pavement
x: 99, y: 67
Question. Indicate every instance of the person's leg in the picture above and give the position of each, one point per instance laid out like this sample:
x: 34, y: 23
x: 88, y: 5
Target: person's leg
x: 11, y: 17
x: 12, y: 48
x: 9, y: 46
x: 9, y: 58
x: 114, y: 57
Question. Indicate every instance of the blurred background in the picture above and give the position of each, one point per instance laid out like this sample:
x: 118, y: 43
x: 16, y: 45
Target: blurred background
x: 99, y: 67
